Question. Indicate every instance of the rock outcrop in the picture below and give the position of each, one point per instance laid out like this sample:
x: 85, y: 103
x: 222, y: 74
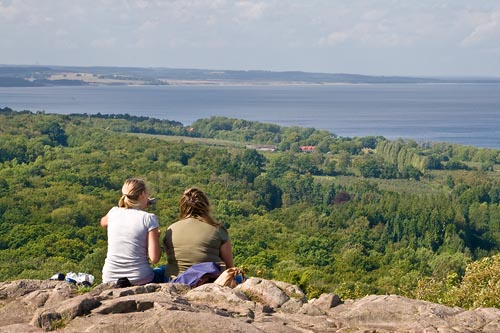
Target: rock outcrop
x: 257, y: 305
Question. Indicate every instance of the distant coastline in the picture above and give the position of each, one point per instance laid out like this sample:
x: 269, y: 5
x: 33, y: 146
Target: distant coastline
x: 44, y: 76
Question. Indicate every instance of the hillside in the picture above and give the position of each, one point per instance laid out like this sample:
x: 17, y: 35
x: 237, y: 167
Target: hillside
x: 356, y: 216
x: 33, y: 76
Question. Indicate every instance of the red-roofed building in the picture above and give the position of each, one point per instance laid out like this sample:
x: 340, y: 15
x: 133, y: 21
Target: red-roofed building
x: 307, y: 149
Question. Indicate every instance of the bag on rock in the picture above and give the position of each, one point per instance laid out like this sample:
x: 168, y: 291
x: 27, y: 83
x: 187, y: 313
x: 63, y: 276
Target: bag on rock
x: 198, y: 274
x: 231, y: 277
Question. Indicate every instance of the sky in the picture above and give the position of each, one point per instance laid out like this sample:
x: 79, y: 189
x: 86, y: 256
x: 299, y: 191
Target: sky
x: 372, y: 37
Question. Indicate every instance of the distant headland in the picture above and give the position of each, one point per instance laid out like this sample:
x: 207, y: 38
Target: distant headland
x: 40, y: 76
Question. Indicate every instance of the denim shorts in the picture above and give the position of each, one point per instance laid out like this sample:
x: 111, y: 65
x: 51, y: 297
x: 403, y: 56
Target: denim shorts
x: 160, y: 276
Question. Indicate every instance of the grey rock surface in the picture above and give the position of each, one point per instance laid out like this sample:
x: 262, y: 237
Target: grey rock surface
x: 258, y: 305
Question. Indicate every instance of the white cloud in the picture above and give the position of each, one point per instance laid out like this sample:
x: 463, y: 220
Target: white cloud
x: 215, y: 4
x: 62, y: 33
x: 65, y: 44
x: 334, y: 38
x: 250, y: 11
x: 373, y: 15
x: 106, y: 43
x: 142, y: 4
x: 375, y: 34
x: 300, y: 32
x: 389, y: 24
x: 7, y: 12
x: 149, y: 25
x: 486, y: 30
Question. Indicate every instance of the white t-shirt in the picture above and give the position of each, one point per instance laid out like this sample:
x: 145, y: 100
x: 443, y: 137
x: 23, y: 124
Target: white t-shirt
x: 128, y: 246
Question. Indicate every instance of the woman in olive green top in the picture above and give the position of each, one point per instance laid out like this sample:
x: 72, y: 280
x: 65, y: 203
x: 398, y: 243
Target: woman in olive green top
x: 196, y: 237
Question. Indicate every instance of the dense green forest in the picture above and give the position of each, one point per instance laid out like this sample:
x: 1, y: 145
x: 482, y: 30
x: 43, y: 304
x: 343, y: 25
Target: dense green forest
x: 357, y: 216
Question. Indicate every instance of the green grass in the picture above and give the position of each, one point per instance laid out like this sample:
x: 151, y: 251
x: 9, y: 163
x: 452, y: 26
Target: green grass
x: 187, y: 139
x: 423, y: 186
x: 84, y: 289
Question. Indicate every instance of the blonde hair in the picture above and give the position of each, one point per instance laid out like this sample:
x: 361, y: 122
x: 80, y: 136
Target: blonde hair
x: 194, y: 203
x: 131, y: 191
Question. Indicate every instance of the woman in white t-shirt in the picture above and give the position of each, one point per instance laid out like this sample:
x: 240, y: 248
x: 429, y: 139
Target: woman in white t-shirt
x: 133, y: 237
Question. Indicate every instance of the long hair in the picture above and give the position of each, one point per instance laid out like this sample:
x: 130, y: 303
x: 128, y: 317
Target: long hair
x: 131, y: 191
x: 194, y: 203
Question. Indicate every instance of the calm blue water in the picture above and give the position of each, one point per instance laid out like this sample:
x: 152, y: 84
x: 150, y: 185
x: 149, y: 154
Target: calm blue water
x: 467, y: 114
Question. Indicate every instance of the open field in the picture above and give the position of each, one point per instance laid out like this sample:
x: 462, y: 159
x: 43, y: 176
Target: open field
x: 93, y: 79
x: 203, y: 141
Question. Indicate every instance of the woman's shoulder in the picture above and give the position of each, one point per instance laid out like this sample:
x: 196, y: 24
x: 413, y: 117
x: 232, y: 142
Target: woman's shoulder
x: 146, y: 212
x: 148, y: 215
x: 185, y: 224
x: 150, y: 220
x: 115, y: 210
x: 176, y: 224
x: 132, y: 212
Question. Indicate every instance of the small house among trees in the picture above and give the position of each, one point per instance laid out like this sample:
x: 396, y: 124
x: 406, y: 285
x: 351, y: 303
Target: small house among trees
x: 307, y: 149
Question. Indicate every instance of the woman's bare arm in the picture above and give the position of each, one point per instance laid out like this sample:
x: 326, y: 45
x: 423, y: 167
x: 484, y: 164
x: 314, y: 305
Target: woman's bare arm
x: 154, y: 248
x: 104, y: 221
x: 226, y: 254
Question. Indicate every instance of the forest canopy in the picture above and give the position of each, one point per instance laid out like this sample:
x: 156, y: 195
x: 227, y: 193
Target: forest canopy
x: 353, y: 216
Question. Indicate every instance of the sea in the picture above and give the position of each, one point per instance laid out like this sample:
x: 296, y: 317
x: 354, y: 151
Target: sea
x: 467, y: 114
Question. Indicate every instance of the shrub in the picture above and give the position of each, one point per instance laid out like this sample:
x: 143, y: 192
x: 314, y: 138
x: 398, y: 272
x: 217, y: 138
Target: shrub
x: 480, y: 286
